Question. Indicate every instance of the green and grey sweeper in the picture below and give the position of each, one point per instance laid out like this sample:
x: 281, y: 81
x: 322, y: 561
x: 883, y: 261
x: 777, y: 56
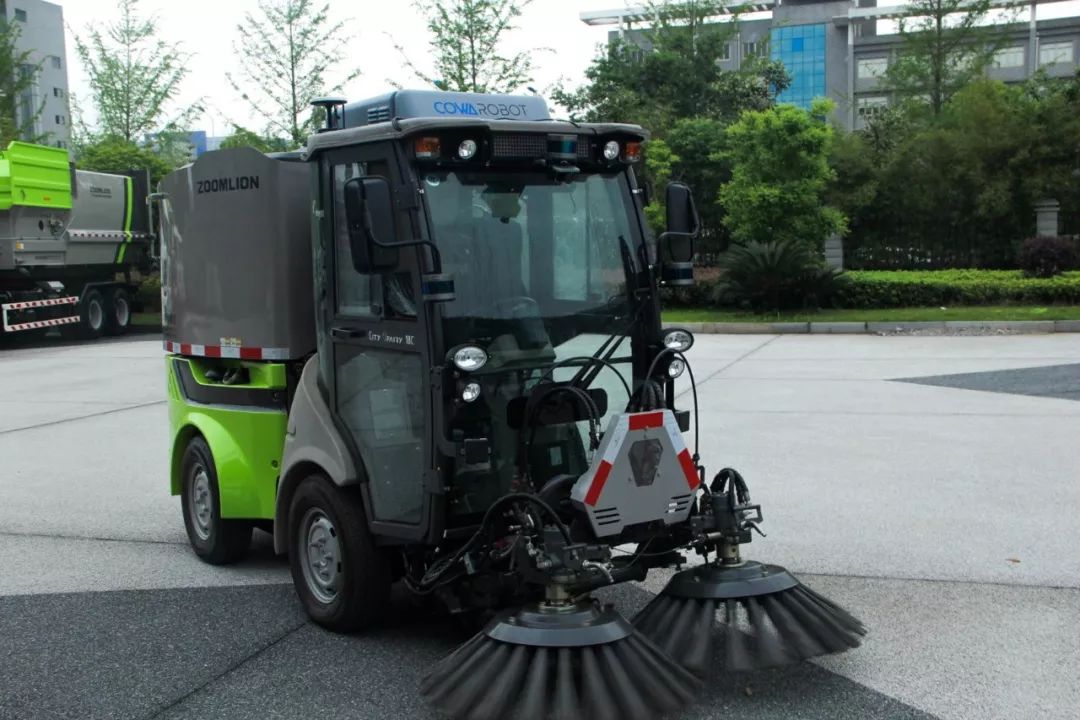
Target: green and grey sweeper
x: 427, y: 350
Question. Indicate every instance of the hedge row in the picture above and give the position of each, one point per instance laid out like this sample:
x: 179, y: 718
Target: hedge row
x: 928, y: 288
x: 919, y: 288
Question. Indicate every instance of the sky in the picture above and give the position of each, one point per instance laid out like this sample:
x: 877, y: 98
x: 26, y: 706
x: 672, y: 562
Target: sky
x: 207, y: 29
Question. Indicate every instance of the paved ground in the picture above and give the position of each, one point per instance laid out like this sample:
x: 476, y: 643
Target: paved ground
x: 941, y: 509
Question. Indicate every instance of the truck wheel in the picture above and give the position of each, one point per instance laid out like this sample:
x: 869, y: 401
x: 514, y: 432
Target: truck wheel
x: 215, y: 540
x: 92, y: 315
x: 342, y: 579
x: 119, y: 317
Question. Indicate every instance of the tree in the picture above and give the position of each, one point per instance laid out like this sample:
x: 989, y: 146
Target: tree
x: 242, y: 137
x: 287, y: 51
x: 115, y: 155
x: 467, y: 46
x: 672, y: 70
x: 780, y: 173
x: 133, y: 74
x: 18, y: 75
x: 946, y: 44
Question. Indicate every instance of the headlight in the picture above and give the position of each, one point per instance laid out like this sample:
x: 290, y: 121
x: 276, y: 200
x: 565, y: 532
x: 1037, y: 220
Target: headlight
x: 611, y: 150
x: 470, y: 358
x: 676, y: 368
x: 678, y: 339
x: 466, y: 149
x: 470, y: 392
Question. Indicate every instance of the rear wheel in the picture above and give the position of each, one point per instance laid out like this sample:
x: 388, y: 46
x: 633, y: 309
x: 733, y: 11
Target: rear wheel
x: 342, y: 579
x: 215, y: 540
x: 92, y: 315
x: 119, y: 316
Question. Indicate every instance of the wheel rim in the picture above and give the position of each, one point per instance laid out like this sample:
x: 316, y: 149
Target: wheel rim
x: 122, y: 311
x: 201, y: 506
x: 94, y: 314
x: 320, y: 555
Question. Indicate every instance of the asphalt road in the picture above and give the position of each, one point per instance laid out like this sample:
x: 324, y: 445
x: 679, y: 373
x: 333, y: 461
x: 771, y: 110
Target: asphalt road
x: 942, y: 510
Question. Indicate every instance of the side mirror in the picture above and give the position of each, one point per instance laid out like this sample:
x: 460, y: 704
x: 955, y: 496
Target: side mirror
x: 676, y: 244
x: 369, y: 215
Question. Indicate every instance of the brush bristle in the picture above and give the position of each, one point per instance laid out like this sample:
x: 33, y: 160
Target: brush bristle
x: 760, y: 631
x: 629, y: 679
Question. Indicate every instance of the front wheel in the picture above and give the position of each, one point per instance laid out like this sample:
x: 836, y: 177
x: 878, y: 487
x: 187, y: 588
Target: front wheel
x: 215, y: 540
x: 342, y: 579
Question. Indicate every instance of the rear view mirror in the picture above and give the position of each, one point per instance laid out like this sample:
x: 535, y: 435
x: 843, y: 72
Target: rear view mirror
x: 369, y: 215
x: 676, y: 244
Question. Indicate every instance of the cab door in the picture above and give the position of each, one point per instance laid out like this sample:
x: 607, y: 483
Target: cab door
x: 380, y: 386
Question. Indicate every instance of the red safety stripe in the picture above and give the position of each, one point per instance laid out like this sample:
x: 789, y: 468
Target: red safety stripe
x: 35, y: 324
x: 597, y: 485
x: 687, y: 462
x: 227, y: 351
x: 40, y: 303
x: 640, y: 421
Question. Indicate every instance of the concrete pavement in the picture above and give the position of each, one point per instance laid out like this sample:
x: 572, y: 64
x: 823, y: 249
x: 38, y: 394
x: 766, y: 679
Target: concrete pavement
x: 942, y: 510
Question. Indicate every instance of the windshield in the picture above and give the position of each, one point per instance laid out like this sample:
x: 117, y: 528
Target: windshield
x: 538, y: 261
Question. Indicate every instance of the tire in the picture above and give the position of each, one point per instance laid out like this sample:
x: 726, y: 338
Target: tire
x: 217, y: 541
x: 342, y: 579
x: 118, y: 319
x: 92, y: 315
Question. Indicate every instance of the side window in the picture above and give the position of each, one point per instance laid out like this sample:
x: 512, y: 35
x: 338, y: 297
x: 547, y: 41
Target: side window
x: 354, y: 290
x: 387, y: 294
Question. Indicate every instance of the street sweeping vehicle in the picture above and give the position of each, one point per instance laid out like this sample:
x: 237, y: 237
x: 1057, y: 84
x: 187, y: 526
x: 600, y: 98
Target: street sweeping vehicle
x: 69, y: 241
x: 428, y: 350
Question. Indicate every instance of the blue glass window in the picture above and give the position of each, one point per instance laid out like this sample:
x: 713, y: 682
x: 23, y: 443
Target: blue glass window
x: 802, y: 50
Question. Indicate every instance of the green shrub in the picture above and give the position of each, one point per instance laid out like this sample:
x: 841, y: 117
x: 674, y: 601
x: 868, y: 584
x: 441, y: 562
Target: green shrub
x: 1047, y: 255
x: 775, y: 276
x: 149, y: 293
x: 929, y: 288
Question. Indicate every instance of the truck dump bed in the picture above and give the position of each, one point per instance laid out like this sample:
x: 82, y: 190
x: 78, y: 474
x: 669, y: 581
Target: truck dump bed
x: 236, y: 257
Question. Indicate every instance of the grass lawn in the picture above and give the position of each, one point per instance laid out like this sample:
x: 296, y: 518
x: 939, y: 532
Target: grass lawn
x: 145, y: 319
x: 914, y: 314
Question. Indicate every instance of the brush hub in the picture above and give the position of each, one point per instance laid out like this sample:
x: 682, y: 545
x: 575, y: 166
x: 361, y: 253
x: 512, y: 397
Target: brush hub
x: 721, y: 582
x: 576, y: 625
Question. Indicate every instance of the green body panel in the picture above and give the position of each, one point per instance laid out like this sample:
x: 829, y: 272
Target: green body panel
x: 246, y: 442
x: 121, y: 250
x: 35, y: 175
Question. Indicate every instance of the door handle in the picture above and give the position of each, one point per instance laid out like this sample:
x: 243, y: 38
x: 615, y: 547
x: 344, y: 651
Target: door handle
x: 345, y: 333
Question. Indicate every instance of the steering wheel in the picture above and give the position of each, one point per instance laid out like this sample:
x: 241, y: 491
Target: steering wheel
x: 517, y: 306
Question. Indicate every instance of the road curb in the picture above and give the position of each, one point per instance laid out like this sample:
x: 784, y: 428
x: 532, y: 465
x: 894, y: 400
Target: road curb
x: 1025, y: 327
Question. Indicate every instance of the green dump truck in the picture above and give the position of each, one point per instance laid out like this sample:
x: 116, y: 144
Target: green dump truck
x: 69, y: 241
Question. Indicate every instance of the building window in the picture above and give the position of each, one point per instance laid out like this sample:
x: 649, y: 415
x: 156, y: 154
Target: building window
x: 20, y: 15
x: 61, y: 144
x: 54, y: 60
x: 755, y: 49
x: 60, y: 120
x: 1056, y: 52
x: 871, y: 105
x: 1009, y: 57
x: 58, y: 92
x: 725, y: 53
x: 871, y: 67
x: 801, y: 48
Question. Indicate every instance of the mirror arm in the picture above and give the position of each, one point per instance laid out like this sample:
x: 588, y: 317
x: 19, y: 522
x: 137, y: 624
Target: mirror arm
x: 436, y: 256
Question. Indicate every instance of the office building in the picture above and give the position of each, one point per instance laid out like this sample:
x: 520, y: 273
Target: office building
x: 41, y: 32
x: 841, y: 49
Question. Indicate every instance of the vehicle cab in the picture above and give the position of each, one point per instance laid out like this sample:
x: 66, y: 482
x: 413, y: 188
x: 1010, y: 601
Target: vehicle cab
x: 468, y: 250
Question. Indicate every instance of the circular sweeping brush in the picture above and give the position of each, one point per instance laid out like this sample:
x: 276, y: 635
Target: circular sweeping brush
x: 766, y: 617
x: 562, y: 662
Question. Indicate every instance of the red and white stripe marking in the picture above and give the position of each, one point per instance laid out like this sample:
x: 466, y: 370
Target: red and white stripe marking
x: 235, y: 352
x: 41, y: 324
x: 631, y: 422
x: 40, y: 303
